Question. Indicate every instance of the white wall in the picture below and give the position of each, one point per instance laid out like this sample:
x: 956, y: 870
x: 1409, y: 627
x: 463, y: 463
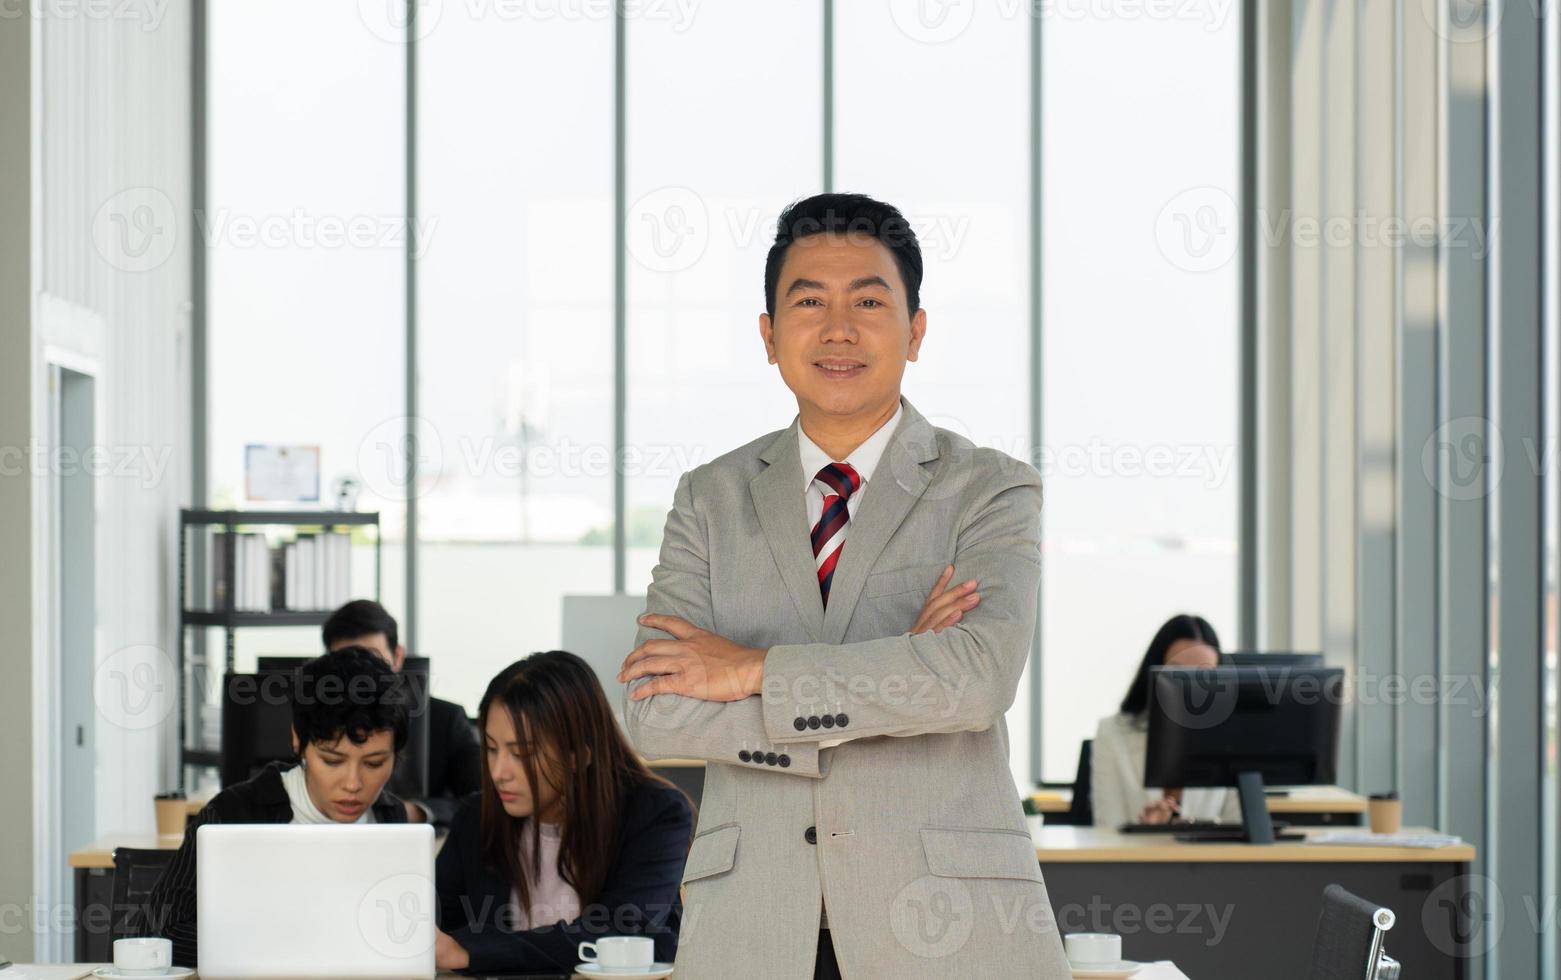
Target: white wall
x: 16, y: 868
x: 110, y: 242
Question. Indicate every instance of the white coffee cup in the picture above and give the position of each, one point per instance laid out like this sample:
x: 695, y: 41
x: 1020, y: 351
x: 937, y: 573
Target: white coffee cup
x: 143, y: 957
x: 620, y: 953
x: 1093, y: 948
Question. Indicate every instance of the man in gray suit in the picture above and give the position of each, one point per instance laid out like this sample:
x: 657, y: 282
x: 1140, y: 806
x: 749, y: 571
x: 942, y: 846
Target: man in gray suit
x: 801, y: 637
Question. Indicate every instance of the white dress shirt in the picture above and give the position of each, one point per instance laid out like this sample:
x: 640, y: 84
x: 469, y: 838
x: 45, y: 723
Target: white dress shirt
x: 864, y: 459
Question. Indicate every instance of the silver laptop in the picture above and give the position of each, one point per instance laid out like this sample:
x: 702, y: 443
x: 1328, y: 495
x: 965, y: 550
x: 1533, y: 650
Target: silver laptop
x: 282, y: 902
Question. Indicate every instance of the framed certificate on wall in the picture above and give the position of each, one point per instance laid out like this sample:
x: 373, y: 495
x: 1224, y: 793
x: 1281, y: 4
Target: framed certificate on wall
x: 282, y: 474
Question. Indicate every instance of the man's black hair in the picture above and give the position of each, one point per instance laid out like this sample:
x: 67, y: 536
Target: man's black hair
x: 843, y: 214
x: 351, y: 692
x: 360, y: 618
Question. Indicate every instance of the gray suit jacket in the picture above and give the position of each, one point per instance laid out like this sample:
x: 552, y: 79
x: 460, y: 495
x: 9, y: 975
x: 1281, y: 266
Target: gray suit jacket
x: 910, y: 832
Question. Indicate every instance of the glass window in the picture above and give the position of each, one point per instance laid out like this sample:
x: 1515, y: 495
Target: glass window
x: 722, y: 133
x: 515, y: 328
x: 305, y: 237
x: 1140, y: 330
x: 514, y: 244
x: 932, y: 115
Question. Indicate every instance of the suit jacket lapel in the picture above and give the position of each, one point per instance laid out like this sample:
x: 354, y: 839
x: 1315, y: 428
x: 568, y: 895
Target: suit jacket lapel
x: 897, y: 483
x: 778, y: 497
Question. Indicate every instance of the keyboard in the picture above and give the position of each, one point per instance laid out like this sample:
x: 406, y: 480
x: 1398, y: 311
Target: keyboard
x: 1181, y: 827
x: 1200, y: 831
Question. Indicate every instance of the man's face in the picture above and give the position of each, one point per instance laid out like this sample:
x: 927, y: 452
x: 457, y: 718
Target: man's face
x: 842, y: 329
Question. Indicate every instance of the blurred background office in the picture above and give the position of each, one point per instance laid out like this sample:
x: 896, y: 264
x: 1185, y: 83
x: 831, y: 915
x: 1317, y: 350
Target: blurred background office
x: 1268, y: 292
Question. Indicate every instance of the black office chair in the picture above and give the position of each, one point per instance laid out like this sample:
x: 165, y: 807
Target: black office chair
x: 1081, y: 813
x: 1350, y: 932
x: 136, y: 873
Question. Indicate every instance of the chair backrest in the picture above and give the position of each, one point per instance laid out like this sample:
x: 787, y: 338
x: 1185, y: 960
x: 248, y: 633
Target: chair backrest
x: 136, y: 873
x: 1349, y: 938
x: 1081, y: 813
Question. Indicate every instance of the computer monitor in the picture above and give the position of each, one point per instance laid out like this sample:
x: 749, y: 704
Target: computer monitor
x: 600, y: 629
x: 1275, y: 659
x: 257, y: 724
x: 268, y: 665
x: 1242, y: 727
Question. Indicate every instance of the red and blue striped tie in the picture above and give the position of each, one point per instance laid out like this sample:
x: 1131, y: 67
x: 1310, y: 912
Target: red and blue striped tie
x: 838, y: 481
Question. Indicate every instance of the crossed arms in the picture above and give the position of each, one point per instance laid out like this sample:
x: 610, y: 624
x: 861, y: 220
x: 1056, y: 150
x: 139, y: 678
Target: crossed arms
x: 701, y: 695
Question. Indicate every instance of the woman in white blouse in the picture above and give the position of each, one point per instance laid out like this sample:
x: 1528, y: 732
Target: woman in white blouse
x: 1118, y: 794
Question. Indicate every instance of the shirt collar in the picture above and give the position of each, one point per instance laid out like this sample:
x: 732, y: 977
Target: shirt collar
x: 864, y: 458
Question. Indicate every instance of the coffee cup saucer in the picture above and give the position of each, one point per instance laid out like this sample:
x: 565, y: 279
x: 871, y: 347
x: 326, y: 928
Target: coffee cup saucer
x: 1119, y: 970
x: 172, y: 973
x: 653, y: 972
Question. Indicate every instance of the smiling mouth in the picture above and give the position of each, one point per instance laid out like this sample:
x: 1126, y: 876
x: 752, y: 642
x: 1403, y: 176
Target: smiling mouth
x: 840, y: 369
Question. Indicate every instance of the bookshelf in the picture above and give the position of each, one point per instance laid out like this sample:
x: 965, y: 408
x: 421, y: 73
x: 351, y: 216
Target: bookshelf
x: 197, y: 749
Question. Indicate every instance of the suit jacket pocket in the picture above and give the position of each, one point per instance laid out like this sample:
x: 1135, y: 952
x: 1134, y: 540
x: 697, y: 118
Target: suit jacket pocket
x: 971, y: 853
x: 917, y: 578
x: 712, y: 853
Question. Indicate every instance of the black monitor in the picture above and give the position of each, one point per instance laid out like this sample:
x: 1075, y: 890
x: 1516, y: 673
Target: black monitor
x: 1275, y: 659
x: 257, y: 724
x: 268, y: 665
x: 1242, y: 727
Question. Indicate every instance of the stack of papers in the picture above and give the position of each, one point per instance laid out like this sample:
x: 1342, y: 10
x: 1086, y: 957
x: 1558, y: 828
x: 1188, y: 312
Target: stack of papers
x: 1367, y: 838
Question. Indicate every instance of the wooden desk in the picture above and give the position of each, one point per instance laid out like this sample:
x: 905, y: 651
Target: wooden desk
x: 1301, y: 806
x: 1319, y: 805
x: 100, y: 853
x: 1080, y: 845
x: 1223, y: 910
x: 1050, y: 801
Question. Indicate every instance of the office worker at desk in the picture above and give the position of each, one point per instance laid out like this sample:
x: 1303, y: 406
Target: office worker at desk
x: 1118, y: 794
x: 349, y: 721
x: 454, y: 757
x: 859, y: 818
x: 571, y: 837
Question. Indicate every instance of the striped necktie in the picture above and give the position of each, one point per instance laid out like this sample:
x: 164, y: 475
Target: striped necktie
x: 838, y: 481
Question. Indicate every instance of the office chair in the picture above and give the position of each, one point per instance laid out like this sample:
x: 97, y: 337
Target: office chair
x: 136, y: 873
x: 1081, y: 813
x: 1350, y: 932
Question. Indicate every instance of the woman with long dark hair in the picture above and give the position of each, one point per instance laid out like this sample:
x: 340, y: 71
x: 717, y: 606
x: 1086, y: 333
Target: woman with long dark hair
x: 1117, y: 758
x: 571, y: 837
